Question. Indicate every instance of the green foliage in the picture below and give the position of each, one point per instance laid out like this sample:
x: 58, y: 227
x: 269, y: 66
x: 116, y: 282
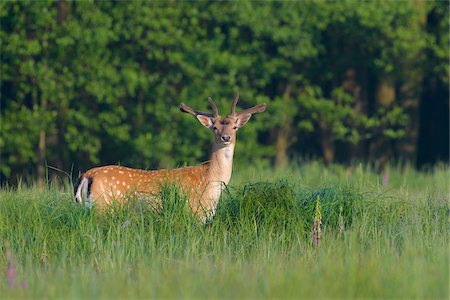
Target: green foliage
x: 103, y: 80
x: 336, y: 115
x: 388, y: 123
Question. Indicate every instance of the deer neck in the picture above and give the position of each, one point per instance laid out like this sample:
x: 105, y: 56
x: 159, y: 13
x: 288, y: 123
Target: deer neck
x: 221, y: 163
x: 219, y: 173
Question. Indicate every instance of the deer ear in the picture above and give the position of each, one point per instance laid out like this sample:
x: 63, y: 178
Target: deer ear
x: 242, y: 120
x: 205, y: 121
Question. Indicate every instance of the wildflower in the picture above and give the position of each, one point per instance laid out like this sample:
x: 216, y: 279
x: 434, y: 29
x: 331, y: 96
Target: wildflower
x: 341, y: 220
x: 10, y: 271
x: 317, y: 231
x: 11, y: 275
x: 43, y: 258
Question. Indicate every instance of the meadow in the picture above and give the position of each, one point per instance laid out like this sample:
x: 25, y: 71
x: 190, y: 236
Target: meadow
x: 375, y: 241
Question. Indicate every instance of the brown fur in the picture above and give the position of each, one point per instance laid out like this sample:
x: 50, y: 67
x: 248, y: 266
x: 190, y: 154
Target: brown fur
x: 117, y: 183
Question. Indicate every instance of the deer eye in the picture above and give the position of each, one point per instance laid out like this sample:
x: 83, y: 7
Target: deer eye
x: 234, y: 128
x: 215, y: 128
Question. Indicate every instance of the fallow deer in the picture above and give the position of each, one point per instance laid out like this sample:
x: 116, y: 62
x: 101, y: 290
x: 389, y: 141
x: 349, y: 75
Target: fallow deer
x: 202, y: 183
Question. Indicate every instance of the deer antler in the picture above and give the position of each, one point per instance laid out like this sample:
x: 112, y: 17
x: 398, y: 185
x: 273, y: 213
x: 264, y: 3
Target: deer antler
x: 255, y: 109
x: 233, y: 105
x: 187, y: 109
x: 214, y: 107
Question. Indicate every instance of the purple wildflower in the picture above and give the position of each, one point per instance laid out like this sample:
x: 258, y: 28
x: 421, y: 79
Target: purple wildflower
x: 11, y: 275
x: 10, y: 271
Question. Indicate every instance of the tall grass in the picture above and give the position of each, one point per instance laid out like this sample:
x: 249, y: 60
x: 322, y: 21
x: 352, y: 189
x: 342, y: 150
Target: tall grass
x: 376, y: 242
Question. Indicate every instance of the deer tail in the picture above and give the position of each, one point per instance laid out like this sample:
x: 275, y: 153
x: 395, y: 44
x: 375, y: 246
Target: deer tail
x: 82, y: 190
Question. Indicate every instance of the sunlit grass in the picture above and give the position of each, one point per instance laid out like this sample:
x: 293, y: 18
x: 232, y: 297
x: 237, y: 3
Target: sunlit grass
x: 376, y: 242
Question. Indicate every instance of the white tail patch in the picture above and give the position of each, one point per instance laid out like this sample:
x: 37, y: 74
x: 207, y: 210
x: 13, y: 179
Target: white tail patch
x: 82, y: 193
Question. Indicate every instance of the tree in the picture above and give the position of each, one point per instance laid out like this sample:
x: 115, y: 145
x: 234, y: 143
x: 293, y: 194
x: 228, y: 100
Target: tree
x: 90, y: 83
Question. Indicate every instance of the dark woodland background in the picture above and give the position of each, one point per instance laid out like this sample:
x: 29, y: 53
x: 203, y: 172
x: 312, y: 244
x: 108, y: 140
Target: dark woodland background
x: 98, y: 82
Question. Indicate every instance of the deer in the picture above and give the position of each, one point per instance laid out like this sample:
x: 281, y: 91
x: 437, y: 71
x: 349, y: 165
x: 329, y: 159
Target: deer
x: 202, y: 184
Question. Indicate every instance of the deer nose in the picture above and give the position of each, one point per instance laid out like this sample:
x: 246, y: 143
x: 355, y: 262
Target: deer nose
x: 225, y: 138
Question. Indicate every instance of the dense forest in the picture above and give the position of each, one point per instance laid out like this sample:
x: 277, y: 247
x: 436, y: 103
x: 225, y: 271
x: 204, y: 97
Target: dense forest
x: 89, y: 83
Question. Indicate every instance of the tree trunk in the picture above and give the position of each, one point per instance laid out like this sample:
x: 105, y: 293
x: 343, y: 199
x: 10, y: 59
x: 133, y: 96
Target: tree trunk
x: 63, y: 11
x: 283, y: 134
x: 327, y: 143
x: 352, y: 85
x: 41, y: 158
x: 433, y: 141
x: 410, y: 90
x: 56, y: 140
x: 381, y: 147
x: 42, y: 144
x: 282, y: 143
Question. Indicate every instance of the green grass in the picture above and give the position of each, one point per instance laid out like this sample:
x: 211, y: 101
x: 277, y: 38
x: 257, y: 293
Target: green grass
x: 259, y: 244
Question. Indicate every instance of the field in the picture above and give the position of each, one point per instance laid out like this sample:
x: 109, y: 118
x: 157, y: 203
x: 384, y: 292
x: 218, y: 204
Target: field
x: 375, y: 241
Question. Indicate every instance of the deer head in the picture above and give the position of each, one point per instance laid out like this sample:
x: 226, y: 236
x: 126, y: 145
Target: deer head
x: 224, y: 128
